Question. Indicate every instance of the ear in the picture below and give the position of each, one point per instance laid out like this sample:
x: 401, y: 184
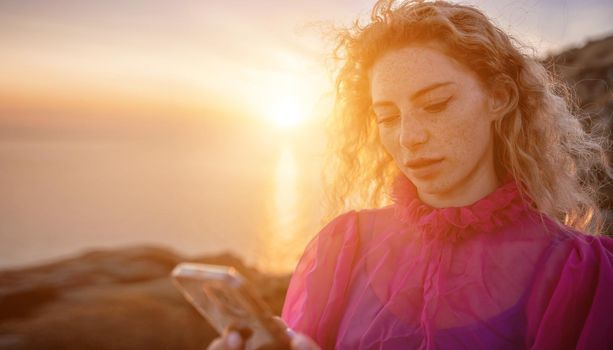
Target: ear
x: 503, y: 97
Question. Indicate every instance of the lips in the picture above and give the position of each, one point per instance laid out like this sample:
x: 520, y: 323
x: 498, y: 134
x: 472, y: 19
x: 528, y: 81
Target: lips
x: 421, y: 162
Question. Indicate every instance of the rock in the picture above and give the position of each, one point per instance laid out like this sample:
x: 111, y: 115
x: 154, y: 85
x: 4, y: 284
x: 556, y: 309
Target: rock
x: 119, y: 299
x: 589, y: 71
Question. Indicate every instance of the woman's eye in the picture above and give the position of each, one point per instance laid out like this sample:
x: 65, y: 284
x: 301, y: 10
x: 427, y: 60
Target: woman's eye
x: 388, y: 119
x: 437, y: 107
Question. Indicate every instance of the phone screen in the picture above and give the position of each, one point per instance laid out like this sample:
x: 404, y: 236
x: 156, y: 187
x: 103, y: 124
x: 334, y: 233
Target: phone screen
x: 226, y: 299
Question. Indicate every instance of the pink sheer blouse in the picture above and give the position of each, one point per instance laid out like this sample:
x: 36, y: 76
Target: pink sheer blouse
x: 491, y: 275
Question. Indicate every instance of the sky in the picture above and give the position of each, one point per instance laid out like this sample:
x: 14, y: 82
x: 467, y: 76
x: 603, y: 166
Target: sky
x: 256, y: 61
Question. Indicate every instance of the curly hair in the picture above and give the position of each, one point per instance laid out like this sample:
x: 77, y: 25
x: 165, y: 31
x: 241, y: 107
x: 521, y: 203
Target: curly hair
x: 541, y: 142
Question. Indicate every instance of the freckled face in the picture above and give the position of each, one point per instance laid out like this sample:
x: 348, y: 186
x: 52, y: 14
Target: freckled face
x: 434, y: 119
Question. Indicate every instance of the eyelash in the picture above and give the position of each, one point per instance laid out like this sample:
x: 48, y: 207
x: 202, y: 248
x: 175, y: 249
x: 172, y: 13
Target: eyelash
x: 388, y: 120
x: 433, y: 108
x: 437, y: 107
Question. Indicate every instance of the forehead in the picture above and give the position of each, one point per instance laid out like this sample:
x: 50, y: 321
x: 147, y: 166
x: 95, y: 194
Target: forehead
x: 409, y: 69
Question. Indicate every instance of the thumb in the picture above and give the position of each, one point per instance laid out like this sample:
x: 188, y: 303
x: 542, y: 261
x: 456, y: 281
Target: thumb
x: 302, y: 342
x: 290, y: 332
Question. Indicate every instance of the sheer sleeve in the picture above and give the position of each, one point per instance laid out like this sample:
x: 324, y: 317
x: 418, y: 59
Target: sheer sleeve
x: 316, y: 293
x: 571, y: 305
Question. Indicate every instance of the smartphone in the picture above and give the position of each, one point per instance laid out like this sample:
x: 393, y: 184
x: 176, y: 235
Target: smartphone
x: 226, y: 299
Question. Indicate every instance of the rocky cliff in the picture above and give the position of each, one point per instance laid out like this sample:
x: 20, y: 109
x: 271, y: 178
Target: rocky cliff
x: 120, y: 299
x: 588, y: 71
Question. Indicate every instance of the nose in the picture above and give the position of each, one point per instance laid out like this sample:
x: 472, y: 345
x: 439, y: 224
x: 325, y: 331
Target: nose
x: 412, y: 133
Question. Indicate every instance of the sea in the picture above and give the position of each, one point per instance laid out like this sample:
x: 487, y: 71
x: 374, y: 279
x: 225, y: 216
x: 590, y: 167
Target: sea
x: 251, y: 192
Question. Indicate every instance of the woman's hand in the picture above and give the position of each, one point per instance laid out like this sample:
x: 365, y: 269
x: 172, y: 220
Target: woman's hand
x: 229, y: 340
x: 303, y: 342
x: 232, y: 340
x: 298, y: 341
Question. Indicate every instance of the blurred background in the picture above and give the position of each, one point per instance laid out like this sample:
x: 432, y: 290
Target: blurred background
x: 194, y: 125
x: 138, y: 134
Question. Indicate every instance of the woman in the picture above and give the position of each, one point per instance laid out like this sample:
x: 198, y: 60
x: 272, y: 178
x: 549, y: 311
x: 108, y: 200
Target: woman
x: 491, y: 241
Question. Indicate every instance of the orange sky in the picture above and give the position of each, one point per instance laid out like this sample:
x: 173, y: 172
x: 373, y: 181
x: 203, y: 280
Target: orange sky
x: 197, y: 59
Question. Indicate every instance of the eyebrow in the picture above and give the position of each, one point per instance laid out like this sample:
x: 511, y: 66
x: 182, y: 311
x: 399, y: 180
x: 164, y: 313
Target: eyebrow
x: 416, y: 94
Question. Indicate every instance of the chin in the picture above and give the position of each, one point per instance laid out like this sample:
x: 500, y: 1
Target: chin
x: 432, y: 185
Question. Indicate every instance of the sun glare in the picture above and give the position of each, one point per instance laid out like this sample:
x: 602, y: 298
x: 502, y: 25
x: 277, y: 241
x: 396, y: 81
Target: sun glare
x: 287, y: 113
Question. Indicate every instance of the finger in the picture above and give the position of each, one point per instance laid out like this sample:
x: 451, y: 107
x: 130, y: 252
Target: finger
x: 216, y: 344
x: 280, y: 321
x: 233, y: 341
x: 290, y: 332
x: 244, y: 332
x: 302, y: 342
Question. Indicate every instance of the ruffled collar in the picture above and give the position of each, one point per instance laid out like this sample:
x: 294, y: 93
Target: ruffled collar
x: 500, y: 207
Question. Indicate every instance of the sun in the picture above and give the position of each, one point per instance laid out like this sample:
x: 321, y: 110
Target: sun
x: 285, y: 100
x: 287, y: 113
